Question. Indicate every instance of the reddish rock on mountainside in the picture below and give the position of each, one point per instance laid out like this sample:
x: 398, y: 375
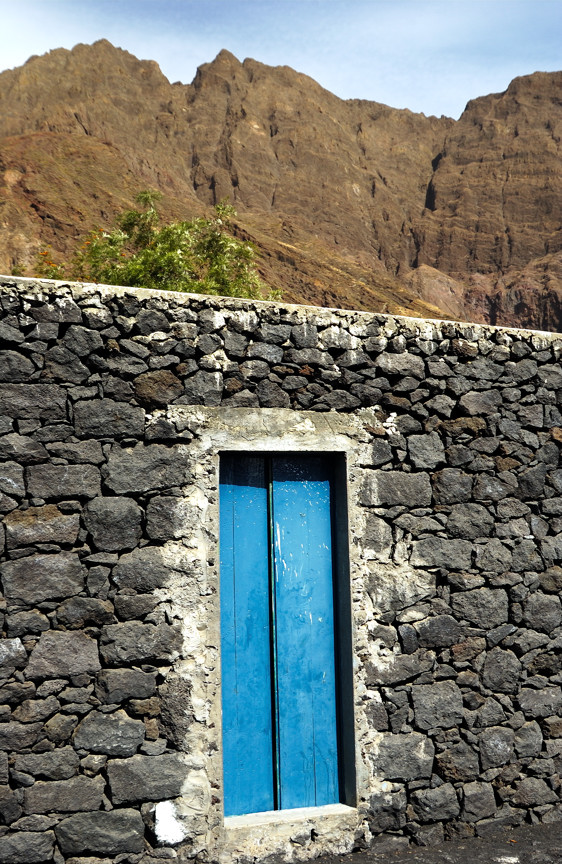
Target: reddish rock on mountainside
x: 351, y: 203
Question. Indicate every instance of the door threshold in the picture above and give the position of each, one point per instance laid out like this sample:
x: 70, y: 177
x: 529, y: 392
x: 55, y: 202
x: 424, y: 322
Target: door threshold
x: 297, y: 814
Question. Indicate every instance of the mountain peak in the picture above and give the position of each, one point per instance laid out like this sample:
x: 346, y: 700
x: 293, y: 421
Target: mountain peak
x: 343, y: 198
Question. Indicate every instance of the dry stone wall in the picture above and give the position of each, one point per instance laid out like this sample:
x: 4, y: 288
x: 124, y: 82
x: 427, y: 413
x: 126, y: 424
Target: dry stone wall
x: 109, y: 741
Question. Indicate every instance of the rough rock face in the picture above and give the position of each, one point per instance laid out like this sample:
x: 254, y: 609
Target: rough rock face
x: 345, y: 199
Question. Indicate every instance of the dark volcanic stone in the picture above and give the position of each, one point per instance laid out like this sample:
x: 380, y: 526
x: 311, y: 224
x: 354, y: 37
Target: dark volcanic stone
x: 438, y: 552
x: 484, y: 607
x: 540, y: 703
x: 63, y: 481
x: 27, y: 847
x: 104, y: 418
x: 65, y: 796
x: 459, y: 762
x: 114, y: 523
x: 426, y: 451
x: 143, y: 569
x: 117, y: 685
x: 82, y: 611
x: 438, y: 704
x: 205, y: 388
x: 478, y: 801
x: 157, y: 388
x: 496, y: 746
x: 113, y: 734
x: 501, y: 671
x: 14, y: 367
x: 451, y: 486
x: 146, y: 778
x: 134, y: 641
x: 21, y: 448
x: 42, y: 577
x: 439, y: 803
x: 404, y: 757
x: 542, y: 612
x: 19, y: 736
x: 40, y: 525
x: 33, y: 401
x: 470, y: 521
x: 438, y: 632
x: 396, y: 487
x: 146, y: 467
x: 61, y: 654
x: 101, y: 833
x: 59, y: 764
x: 63, y: 365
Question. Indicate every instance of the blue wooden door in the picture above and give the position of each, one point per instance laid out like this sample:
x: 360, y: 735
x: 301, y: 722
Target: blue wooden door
x: 280, y: 735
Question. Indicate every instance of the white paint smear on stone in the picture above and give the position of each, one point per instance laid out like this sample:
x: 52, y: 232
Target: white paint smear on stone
x: 167, y: 826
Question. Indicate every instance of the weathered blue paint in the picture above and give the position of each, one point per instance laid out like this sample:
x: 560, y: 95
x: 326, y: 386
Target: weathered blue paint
x: 277, y: 633
x: 304, y: 614
x: 245, y: 636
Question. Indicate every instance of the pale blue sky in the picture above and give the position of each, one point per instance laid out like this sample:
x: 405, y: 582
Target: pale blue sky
x: 426, y: 55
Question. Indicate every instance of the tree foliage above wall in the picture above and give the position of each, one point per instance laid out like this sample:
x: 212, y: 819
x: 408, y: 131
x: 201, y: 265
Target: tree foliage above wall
x: 200, y: 256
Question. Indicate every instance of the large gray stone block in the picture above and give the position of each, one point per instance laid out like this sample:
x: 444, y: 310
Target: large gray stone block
x: 540, y: 703
x: 501, y: 671
x: 542, y: 612
x: 19, y: 736
x: 15, y: 367
x: 438, y: 552
x: 478, y: 801
x: 63, y: 481
x: 114, y: 523
x: 496, y: 746
x: 436, y: 804
x: 469, y: 521
x: 61, y: 654
x: 33, y: 401
x: 64, y: 796
x: 27, y: 847
x: 125, y: 643
x: 146, y: 467
x: 426, y: 451
x: 437, y: 705
x: 22, y: 448
x: 396, y: 487
x: 105, y: 418
x: 146, y: 778
x: 117, y: 685
x: 59, y: 764
x: 403, y: 757
x: 101, y: 833
x: 42, y: 577
x: 41, y: 525
x: 484, y: 607
x: 401, y: 364
x: 145, y: 569
x: 113, y: 734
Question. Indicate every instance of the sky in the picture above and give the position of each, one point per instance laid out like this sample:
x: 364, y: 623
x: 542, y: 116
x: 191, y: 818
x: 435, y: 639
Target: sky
x: 430, y: 56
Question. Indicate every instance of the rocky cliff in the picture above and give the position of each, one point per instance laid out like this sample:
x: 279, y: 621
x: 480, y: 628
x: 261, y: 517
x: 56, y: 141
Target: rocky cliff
x: 351, y: 203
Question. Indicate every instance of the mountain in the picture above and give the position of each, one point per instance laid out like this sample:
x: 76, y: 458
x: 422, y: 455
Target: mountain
x: 350, y: 203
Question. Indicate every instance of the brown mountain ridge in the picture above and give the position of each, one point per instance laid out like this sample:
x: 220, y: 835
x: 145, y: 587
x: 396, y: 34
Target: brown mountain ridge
x: 350, y: 203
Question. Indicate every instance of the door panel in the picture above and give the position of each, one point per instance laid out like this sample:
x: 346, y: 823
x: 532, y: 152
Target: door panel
x: 245, y: 637
x: 306, y: 685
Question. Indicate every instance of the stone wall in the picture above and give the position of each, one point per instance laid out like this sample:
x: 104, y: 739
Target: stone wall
x: 114, y: 407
